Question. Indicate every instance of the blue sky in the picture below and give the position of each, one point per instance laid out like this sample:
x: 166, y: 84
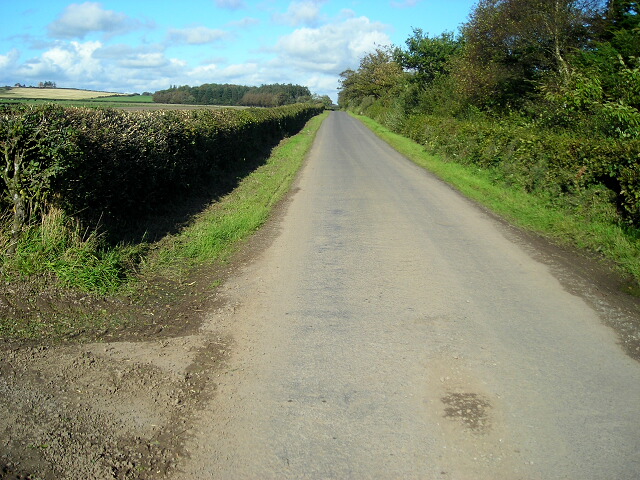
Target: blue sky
x: 140, y: 45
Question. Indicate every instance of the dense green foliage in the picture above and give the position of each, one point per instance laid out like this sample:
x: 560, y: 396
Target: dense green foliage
x: 207, y: 94
x: 76, y: 179
x: 104, y: 165
x: 543, y: 93
x: 216, y: 94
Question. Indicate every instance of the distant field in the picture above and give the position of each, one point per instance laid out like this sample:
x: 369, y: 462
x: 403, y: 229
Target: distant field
x: 91, y: 98
x: 125, y: 99
x: 54, y: 93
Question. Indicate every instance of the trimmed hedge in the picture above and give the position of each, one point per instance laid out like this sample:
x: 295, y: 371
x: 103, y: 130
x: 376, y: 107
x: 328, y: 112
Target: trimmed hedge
x: 117, y: 165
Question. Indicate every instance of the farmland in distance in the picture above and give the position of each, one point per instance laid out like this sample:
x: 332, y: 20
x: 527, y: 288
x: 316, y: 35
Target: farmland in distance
x: 89, y: 98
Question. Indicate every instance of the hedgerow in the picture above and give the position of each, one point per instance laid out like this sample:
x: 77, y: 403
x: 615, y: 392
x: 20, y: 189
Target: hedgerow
x: 559, y: 164
x: 112, y: 165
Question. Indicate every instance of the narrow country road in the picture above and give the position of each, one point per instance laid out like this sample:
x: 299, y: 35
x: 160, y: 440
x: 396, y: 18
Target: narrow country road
x: 392, y: 330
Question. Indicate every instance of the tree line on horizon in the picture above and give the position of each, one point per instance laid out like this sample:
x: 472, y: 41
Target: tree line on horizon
x: 272, y: 95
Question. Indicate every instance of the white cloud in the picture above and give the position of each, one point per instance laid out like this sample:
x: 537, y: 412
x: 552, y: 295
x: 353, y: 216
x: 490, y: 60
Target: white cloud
x: 404, y: 3
x: 91, y: 65
x: 347, y: 13
x: 9, y: 59
x: 78, y: 20
x: 242, y: 74
x: 145, y: 60
x: 315, y: 56
x: 245, y: 22
x: 204, y: 70
x: 196, y: 35
x: 230, y: 4
x: 331, y: 48
x: 72, y: 60
x: 321, y: 83
x: 305, y: 12
x: 121, y: 51
x: 240, y: 70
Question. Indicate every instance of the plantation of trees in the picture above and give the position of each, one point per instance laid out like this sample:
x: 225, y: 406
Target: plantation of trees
x: 543, y: 93
x: 274, y: 95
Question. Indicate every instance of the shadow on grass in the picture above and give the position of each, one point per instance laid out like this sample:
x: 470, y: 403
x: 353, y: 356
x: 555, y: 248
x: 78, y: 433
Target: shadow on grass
x: 177, y: 211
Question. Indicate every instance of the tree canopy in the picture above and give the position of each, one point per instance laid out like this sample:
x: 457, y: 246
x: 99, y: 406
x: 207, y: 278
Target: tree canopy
x: 379, y: 73
x: 226, y: 94
x: 561, y: 61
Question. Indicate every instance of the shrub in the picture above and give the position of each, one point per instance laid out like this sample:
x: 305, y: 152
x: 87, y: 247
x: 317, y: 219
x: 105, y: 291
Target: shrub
x: 535, y: 159
x: 110, y: 165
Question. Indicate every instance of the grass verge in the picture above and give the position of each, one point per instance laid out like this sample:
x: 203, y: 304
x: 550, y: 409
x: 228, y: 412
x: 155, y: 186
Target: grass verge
x: 590, y: 226
x: 215, y: 233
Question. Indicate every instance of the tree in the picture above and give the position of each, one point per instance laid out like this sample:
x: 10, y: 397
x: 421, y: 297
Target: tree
x: 603, y: 87
x: 510, y: 45
x: 324, y: 99
x: 622, y: 15
x: 622, y: 28
x: 428, y: 58
x: 378, y: 75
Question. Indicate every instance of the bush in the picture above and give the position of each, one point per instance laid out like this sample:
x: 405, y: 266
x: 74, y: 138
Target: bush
x: 540, y: 160
x: 112, y: 165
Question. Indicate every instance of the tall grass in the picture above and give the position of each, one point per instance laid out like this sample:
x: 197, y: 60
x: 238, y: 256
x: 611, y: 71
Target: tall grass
x: 58, y: 247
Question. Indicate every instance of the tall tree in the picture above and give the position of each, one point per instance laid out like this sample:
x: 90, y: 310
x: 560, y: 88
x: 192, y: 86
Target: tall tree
x: 519, y: 41
x: 377, y: 75
x: 428, y: 57
x: 623, y: 14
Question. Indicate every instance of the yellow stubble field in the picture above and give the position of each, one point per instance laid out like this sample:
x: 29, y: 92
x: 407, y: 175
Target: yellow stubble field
x: 53, y: 93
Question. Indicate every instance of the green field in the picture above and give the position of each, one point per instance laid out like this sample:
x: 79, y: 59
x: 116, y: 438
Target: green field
x: 90, y: 98
x: 125, y: 99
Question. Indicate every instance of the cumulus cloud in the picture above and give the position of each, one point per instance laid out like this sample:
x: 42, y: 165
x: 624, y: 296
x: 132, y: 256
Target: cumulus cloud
x: 331, y: 48
x: 93, y: 65
x: 230, y: 4
x: 315, y: 56
x: 122, y: 51
x: 204, y: 70
x: 145, y: 60
x: 9, y: 59
x: 240, y: 70
x: 72, y: 60
x: 321, y: 83
x: 305, y: 12
x: 249, y: 73
x: 196, y: 35
x: 78, y: 20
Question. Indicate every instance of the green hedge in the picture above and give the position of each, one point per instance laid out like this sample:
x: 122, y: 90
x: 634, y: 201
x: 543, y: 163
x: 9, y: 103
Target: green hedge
x: 111, y: 164
x: 557, y: 163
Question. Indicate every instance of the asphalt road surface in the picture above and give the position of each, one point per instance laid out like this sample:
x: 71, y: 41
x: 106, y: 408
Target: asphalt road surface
x: 392, y: 329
